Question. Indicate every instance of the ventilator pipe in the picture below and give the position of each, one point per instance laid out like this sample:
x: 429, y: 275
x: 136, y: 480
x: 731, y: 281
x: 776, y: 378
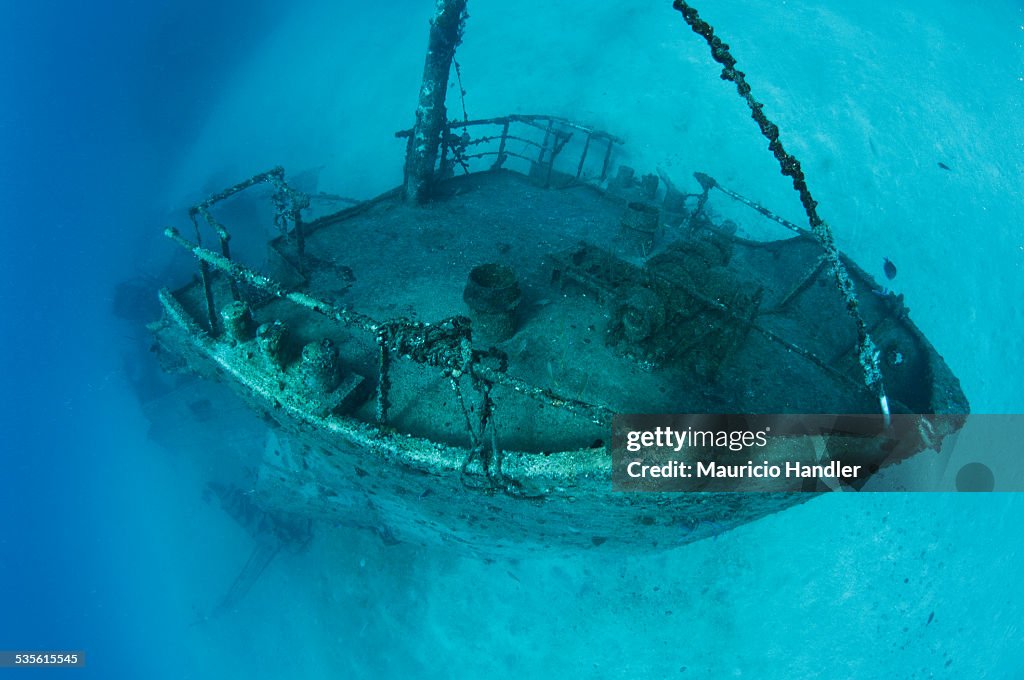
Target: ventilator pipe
x: 492, y: 295
x: 321, y: 369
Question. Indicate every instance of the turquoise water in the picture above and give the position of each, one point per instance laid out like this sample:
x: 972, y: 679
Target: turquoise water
x: 115, y: 116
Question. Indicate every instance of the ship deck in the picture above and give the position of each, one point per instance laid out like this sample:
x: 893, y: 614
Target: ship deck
x: 388, y: 260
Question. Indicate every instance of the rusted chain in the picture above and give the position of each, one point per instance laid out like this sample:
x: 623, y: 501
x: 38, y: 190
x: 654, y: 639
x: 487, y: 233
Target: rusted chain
x: 868, y: 354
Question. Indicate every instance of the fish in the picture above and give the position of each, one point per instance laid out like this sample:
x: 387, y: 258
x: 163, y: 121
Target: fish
x: 944, y: 166
x: 889, y: 268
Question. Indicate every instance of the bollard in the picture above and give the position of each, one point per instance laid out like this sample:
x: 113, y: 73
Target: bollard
x: 238, y: 322
x: 270, y: 339
x: 321, y: 369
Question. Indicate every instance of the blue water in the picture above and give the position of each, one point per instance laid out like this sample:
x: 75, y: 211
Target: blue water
x: 115, y: 115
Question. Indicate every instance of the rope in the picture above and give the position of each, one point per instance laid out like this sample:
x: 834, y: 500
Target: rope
x: 867, y: 352
x: 462, y: 90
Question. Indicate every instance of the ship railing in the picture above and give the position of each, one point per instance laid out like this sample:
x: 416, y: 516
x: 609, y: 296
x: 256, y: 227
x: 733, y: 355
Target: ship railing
x: 288, y: 206
x: 545, y: 142
x: 444, y: 345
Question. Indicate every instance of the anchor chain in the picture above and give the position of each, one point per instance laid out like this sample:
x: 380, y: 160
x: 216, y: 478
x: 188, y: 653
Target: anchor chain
x: 868, y: 354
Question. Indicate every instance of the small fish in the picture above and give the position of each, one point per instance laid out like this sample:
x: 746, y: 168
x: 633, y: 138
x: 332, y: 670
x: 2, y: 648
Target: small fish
x: 945, y: 167
x: 931, y: 617
x: 890, y: 268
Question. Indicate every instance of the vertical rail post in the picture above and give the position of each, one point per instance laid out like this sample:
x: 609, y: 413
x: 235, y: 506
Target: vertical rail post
x: 607, y: 160
x: 204, y: 273
x: 583, y: 156
x: 225, y: 250
x: 544, y: 146
x: 383, y: 379
x: 500, y: 161
x: 555, y: 148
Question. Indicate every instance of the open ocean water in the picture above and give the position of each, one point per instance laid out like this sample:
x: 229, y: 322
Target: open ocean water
x: 114, y: 116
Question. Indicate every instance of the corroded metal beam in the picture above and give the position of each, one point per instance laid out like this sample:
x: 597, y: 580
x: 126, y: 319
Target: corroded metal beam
x: 431, y: 114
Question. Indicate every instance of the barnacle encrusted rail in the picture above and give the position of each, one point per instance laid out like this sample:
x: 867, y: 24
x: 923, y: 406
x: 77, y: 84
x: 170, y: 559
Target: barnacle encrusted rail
x: 459, y: 148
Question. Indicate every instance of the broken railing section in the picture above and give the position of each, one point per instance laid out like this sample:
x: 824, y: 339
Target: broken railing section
x: 266, y: 284
x: 445, y: 36
x: 868, y: 353
x: 458, y: 148
x: 675, y: 200
x: 708, y: 183
x: 288, y: 206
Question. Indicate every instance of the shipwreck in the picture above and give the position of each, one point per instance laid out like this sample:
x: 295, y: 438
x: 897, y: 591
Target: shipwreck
x: 445, y: 360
